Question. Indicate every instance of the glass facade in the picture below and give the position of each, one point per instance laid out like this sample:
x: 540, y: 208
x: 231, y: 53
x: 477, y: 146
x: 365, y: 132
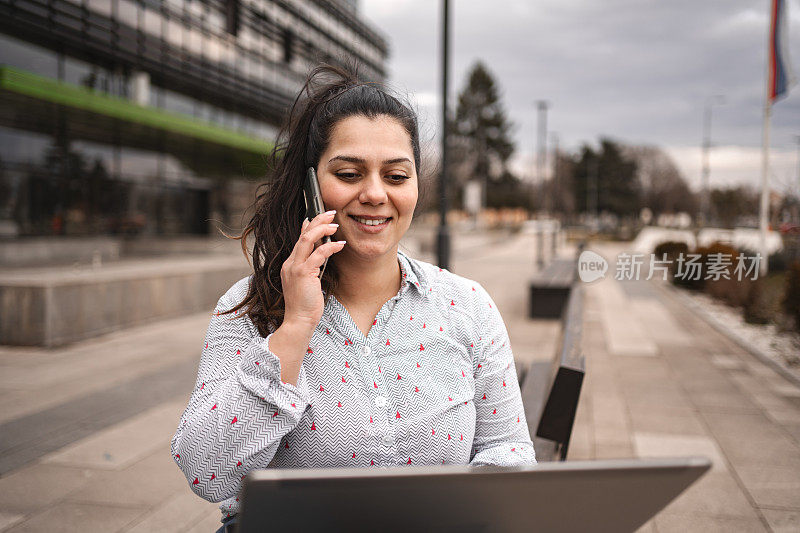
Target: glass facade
x: 234, y: 65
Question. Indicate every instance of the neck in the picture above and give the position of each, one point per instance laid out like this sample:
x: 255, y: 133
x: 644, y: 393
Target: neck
x: 365, y: 282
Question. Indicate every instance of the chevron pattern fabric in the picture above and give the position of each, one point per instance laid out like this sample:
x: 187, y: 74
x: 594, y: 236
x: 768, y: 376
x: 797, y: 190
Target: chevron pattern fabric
x: 433, y: 382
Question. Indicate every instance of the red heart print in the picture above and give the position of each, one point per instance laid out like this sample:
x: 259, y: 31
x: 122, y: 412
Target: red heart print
x: 238, y: 352
x: 343, y: 380
x: 421, y: 347
x: 339, y: 404
x: 321, y: 388
x: 313, y: 426
x: 433, y: 432
x: 213, y: 477
x: 238, y: 463
x: 371, y: 462
x: 416, y: 389
x: 494, y: 412
x: 484, y: 396
x: 398, y: 414
x: 347, y: 364
x: 374, y: 384
x: 387, y: 342
x: 398, y: 376
x: 196, y: 481
x: 409, y: 461
x: 418, y: 366
x: 274, y: 414
x: 449, y: 437
x: 234, y: 420
x: 215, y: 406
x: 354, y: 455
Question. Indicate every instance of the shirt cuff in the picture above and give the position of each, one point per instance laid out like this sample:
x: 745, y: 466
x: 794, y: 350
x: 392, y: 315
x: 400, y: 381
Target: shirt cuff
x: 260, y: 372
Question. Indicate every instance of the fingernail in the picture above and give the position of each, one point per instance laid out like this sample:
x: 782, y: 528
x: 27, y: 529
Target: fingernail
x: 341, y: 242
x: 331, y: 212
x: 333, y: 225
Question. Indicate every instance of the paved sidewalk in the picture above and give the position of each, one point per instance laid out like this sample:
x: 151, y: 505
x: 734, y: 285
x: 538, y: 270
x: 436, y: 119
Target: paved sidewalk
x: 660, y: 382
x: 84, y: 430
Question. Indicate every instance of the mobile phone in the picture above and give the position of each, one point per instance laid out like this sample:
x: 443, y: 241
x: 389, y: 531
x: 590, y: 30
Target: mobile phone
x: 314, y: 206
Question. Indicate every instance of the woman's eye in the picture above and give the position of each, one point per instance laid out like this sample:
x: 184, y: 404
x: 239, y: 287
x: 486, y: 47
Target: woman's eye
x: 346, y: 175
x: 397, y: 177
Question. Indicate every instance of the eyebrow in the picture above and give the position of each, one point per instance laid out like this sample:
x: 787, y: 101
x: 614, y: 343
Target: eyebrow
x: 361, y: 161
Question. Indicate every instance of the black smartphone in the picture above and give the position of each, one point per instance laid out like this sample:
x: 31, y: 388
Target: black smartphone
x: 314, y: 206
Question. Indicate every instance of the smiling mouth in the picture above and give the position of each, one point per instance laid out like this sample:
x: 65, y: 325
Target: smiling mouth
x: 371, y: 221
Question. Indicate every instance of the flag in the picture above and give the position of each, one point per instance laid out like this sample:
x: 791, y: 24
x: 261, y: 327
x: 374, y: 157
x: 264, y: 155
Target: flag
x: 780, y: 75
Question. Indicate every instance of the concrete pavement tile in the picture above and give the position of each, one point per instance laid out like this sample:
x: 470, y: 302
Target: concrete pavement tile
x: 178, y: 513
x: 752, y: 439
x: 208, y: 524
x: 147, y: 482
x: 137, y: 351
x: 731, y: 400
x: 625, y: 334
x: 714, y: 494
x: 772, y: 486
x: 787, y: 390
x: 794, y: 431
x: 757, y: 368
x: 784, y: 416
x: 646, y: 422
x: 36, y: 487
x: 666, y: 396
x: 8, y: 519
x: 124, y: 443
x: 70, y: 517
x: 666, y: 445
x: 612, y: 435
x: 659, y: 323
x: 782, y: 521
x: 613, y: 450
x: 681, y: 523
x: 727, y: 362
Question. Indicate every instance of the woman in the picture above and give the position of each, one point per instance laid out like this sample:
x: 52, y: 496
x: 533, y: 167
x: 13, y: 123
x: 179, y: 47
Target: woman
x: 384, y: 361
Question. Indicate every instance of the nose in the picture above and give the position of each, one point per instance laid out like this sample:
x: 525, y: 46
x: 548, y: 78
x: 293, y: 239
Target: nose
x: 373, y: 190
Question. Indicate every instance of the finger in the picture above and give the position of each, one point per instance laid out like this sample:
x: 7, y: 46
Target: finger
x: 318, y: 220
x: 323, y: 252
x: 308, y: 239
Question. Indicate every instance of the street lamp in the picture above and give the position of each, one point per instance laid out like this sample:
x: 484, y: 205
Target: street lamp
x: 443, y: 236
x: 704, y: 199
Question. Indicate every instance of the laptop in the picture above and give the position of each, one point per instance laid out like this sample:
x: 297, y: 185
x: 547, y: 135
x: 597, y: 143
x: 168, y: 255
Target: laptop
x: 607, y: 495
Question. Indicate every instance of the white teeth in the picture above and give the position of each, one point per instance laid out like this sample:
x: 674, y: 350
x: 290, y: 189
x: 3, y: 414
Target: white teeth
x: 371, y: 222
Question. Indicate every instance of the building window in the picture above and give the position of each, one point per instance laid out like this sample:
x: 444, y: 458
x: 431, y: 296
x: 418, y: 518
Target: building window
x: 288, y: 45
x: 232, y: 16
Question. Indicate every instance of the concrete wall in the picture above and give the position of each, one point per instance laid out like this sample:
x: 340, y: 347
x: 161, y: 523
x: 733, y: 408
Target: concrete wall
x: 58, y: 309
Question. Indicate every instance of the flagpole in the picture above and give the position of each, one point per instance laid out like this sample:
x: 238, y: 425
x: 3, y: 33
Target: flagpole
x: 763, y: 212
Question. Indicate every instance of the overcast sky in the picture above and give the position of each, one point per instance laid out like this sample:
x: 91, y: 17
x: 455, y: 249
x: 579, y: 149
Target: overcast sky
x: 637, y: 71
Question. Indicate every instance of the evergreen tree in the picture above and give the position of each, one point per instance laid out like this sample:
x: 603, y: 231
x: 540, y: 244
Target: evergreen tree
x: 606, y: 180
x: 479, y: 135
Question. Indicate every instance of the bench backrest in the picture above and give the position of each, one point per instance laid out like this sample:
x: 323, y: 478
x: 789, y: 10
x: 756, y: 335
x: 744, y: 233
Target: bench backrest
x: 550, y: 391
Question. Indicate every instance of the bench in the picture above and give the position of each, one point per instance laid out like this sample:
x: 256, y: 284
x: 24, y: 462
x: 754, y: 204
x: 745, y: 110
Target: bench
x: 550, y: 288
x: 550, y: 389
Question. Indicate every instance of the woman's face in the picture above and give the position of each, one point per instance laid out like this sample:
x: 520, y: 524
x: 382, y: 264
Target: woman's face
x: 367, y: 174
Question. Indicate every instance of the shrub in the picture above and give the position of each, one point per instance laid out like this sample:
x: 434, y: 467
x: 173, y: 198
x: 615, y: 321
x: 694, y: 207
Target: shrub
x: 791, y: 293
x: 756, y: 310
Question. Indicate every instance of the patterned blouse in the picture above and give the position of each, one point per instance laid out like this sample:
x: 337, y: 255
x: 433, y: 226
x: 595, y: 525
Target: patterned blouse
x: 432, y: 383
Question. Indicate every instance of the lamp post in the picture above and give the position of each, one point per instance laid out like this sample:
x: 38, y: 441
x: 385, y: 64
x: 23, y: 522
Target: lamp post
x: 541, y: 146
x: 704, y: 198
x: 443, y: 237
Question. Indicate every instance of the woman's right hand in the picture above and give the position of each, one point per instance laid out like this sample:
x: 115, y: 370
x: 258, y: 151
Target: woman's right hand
x: 302, y: 291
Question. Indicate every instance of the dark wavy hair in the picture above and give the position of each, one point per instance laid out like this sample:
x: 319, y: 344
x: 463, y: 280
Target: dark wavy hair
x: 329, y: 95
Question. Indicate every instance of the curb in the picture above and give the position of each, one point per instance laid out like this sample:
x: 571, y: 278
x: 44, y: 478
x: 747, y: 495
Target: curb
x: 745, y: 344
